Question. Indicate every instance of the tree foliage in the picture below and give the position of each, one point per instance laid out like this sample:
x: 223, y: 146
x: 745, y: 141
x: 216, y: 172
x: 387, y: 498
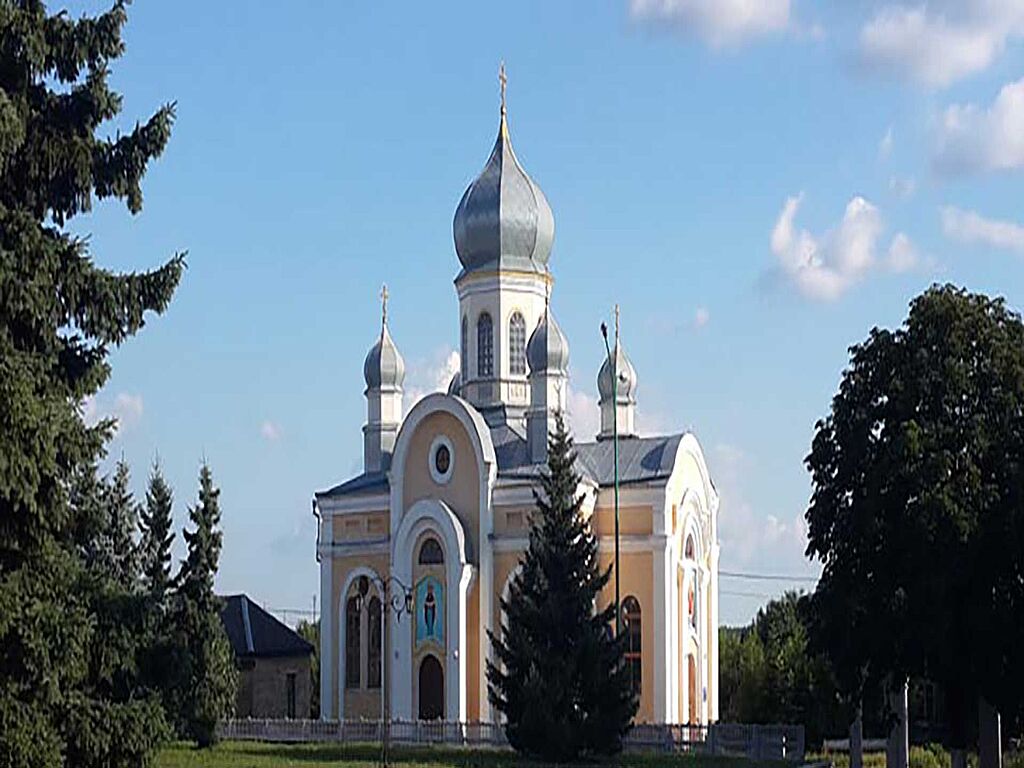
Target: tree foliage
x: 310, y: 632
x: 917, y: 513
x: 561, y: 681
x: 207, y: 677
x: 157, y: 538
x: 770, y: 674
x: 63, y: 697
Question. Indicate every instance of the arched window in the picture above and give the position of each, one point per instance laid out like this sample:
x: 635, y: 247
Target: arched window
x: 464, y: 349
x: 688, y: 550
x: 352, y: 649
x: 517, y: 344
x: 431, y: 553
x: 373, y: 658
x: 485, y: 346
x: 631, y: 625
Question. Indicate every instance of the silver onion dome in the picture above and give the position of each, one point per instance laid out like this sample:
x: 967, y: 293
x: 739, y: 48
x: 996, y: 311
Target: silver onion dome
x: 384, y: 366
x: 503, y: 220
x: 547, y: 349
x: 627, y: 377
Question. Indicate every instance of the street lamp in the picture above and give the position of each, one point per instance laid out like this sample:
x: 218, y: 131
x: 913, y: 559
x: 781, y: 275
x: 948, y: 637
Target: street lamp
x: 613, y: 362
x: 395, y: 596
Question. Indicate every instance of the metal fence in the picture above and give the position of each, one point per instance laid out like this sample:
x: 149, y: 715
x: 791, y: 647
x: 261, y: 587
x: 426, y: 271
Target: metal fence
x: 771, y: 742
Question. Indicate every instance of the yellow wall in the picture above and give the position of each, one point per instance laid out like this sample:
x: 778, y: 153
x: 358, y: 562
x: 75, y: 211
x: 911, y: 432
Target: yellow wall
x: 356, y: 701
x: 633, y: 520
x: 462, y: 491
x: 637, y: 580
x: 372, y: 525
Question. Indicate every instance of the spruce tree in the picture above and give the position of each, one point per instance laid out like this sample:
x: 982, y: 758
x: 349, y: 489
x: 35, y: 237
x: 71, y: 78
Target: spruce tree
x: 63, y: 699
x: 118, y: 551
x: 157, y: 538
x: 206, y: 688
x: 561, y: 681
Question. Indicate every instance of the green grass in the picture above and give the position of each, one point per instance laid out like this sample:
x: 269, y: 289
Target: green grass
x: 251, y: 754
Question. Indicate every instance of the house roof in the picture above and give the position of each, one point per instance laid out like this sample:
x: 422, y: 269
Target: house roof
x: 254, y: 632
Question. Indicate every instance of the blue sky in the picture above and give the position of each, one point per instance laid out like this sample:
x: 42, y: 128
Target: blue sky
x: 757, y: 184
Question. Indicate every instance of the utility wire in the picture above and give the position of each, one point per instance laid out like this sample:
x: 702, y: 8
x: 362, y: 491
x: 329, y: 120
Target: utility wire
x: 767, y: 577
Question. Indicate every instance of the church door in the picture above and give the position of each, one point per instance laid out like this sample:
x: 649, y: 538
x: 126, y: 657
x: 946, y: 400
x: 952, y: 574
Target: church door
x: 692, y: 669
x: 431, y: 689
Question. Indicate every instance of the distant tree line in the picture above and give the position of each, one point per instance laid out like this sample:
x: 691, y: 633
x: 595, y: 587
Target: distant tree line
x: 768, y: 673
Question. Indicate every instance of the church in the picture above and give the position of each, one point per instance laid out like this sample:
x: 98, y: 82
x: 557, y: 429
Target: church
x: 442, y: 508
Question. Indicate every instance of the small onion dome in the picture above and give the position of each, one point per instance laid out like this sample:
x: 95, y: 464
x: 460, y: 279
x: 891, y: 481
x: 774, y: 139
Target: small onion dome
x: 503, y: 220
x: 547, y: 349
x: 384, y: 366
x: 627, y: 377
x: 455, y: 385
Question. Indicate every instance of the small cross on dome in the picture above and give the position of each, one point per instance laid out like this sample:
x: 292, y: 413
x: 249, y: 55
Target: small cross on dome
x: 503, y: 80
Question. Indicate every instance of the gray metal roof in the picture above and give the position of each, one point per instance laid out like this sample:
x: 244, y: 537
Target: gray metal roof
x: 366, y: 483
x: 254, y: 632
x: 384, y: 366
x: 503, y: 220
x: 548, y: 349
x: 641, y: 459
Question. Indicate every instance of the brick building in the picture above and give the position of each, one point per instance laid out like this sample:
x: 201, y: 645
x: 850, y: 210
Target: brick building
x: 273, y: 662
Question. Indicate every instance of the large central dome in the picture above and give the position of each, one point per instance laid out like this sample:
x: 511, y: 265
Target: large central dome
x: 503, y: 220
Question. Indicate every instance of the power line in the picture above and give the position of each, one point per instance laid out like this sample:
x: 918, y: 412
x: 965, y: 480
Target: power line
x: 767, y: 577
x: 758, y: 595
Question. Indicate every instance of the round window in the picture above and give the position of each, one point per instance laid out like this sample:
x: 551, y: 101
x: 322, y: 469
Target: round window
x: 442, y: 457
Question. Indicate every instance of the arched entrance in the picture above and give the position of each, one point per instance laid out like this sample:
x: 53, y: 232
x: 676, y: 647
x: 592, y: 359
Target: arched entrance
x: 431, y: 689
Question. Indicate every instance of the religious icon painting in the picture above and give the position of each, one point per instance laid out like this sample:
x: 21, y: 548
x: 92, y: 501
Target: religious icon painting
x: 430, y: 611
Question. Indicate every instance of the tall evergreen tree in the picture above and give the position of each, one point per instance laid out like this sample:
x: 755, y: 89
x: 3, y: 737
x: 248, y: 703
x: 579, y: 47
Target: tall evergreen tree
x: 206, y: 691
x: 59, y: 314
x: 157, y: 538
x: 561, y: 681
x: 117, y: 551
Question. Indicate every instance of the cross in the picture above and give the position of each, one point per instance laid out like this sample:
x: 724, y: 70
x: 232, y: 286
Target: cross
x: 616, y: 324
x: 503, y: 79
x: 384, y: 304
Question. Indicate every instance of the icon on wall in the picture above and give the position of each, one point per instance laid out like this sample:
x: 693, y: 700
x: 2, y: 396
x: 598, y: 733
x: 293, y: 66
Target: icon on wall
x: 430, y: 611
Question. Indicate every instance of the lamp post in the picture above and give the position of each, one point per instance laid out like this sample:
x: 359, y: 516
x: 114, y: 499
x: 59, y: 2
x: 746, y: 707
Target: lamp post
x: 613, y: 362
x: 395, y: 596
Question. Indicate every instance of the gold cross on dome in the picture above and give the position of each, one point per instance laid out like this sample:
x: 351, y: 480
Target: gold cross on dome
x: 384, y: 304
x: 503, y: 80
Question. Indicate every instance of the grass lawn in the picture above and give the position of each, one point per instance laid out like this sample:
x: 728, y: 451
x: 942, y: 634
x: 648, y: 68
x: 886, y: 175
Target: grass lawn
x: 251, y: 754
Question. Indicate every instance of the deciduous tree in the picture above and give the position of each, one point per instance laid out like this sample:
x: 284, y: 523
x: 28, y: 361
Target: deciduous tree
x: 917, y: 513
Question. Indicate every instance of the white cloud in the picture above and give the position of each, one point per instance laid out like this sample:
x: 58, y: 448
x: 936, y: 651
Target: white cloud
x: 902, y: 187
x: 903, y: 255
x: 972, y: 138
x: 126, y: 409
x: 701, y: 317
x: 270, y: 431
x: 885, y: 145
x: 583, y: 413
x: 433, y: 375
x: 824, y: 267
x: 719, y: 22
x: 939, y: 43
x: 971, y: 227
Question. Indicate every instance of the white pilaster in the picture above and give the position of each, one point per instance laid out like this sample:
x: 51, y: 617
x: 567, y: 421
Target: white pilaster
x: 328, y: 660
x: 662, y: 610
